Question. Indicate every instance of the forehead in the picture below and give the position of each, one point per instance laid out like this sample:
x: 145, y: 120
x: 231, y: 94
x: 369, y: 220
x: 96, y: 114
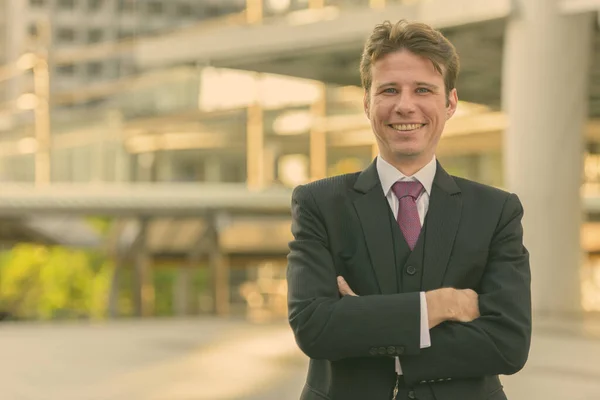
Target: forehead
x: 404, y: 64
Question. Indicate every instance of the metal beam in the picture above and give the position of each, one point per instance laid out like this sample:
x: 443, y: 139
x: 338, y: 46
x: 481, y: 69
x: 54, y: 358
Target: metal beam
x: 141, y: 199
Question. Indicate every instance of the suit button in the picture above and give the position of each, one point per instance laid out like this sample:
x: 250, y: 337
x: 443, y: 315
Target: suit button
x: 411, y: 270
x: 412, y: 395
x: 382, y: 350
x: 373, y: 351
x: 400, y: 350
x: 391, y: 350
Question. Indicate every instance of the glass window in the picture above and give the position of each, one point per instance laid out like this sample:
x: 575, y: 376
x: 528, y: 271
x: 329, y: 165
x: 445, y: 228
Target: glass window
x: 94, y: 5
x: 66, y: 4
x: 65, y: 35
x: 155, y: 8
x: 184, y: 10
x: 95, y: 35
x: 66, y: 70
x: 94, y: 69
x: 125, y: 34
x: 127, y: 5
x: 32, y: 30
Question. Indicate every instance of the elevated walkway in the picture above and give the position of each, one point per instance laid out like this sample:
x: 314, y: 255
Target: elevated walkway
x: 140, y: 199
x: 325, y: 43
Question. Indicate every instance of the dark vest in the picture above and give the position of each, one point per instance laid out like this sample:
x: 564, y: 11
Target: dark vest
x: 409, y: 264
x: 409, y: 275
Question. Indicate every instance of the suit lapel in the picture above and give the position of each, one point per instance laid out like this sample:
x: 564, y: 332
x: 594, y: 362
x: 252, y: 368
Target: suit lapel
x: 373, y: 211
x: 443, y: 217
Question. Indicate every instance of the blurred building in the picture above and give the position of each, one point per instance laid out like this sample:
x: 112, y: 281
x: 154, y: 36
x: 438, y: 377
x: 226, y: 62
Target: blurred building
x: 76, y: 23
x: 265, y: 94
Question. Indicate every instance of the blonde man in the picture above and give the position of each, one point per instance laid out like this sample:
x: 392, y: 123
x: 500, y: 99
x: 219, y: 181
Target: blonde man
x: 406, y: 282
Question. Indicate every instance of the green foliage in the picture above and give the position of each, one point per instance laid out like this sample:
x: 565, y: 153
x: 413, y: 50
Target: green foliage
x: 164, y: 279
x: 40, y: 282
x: 101, y: 225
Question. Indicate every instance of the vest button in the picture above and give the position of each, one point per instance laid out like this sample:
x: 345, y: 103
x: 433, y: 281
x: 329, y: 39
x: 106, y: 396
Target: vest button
x: 411, y: 270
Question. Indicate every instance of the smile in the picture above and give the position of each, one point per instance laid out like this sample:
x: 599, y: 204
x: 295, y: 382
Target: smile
x: 406, y: 127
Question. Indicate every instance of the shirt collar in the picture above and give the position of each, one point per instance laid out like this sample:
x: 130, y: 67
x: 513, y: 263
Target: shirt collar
x: 388, y: 175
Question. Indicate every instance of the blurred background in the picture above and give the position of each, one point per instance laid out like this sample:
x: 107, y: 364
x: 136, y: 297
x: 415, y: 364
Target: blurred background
x: 148, y: 149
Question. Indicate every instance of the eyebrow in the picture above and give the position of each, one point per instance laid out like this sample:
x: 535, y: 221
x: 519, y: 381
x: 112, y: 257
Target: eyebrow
x: 392, y: 84
x: 429, y: 85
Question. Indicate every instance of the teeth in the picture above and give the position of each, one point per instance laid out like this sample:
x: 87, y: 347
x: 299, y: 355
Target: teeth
x: 406, y: 127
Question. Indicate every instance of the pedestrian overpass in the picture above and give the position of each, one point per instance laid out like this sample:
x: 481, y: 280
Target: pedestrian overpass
x: 324, y: 43
x: 219, y: 225
x: 222, y: 225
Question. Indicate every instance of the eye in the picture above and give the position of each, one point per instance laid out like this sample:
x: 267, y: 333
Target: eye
x: 390, y: 90
x: 423, y: 90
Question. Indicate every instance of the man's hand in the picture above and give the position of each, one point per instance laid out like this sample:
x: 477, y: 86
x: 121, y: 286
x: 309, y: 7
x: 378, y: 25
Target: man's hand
x: 446, y: 304
x: 344, y: 288
x: 467, y: 305
x: 449, y: 304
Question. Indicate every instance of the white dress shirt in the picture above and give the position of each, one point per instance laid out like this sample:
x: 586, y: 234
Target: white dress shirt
x: 388, y: 175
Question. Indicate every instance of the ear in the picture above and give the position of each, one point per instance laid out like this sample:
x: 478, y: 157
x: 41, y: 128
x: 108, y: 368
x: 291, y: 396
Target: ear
x: 451, y: 104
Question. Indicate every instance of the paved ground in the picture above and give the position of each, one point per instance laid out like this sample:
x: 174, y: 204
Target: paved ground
x: 213, y: 359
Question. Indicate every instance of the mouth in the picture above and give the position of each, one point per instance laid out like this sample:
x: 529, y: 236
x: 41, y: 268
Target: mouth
x: 406, y: 127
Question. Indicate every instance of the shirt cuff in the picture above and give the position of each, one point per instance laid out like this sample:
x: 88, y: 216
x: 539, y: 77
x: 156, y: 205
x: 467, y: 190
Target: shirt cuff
x: 425, y: 337
x: 425, y: 340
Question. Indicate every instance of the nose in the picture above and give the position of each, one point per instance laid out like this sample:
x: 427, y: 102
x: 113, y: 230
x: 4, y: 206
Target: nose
x: 405, y: 103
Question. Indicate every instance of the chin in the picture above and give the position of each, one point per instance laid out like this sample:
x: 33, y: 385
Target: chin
x: 407, y: 153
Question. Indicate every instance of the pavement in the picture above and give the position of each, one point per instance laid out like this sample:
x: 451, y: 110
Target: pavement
x: 208, y: 358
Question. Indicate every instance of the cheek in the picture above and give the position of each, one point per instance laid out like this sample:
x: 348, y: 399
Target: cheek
x: 381, y: 110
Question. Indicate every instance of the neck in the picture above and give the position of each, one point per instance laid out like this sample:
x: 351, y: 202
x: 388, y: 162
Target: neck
x: 408, y: 165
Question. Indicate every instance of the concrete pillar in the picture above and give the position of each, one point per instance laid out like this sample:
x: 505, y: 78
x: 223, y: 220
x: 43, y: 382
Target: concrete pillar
x: 118, y: 256
x: 218, y: 263
x: 144, y: 281
x: 255, y: 137
x: 545, y: 80
x: 182, y: 290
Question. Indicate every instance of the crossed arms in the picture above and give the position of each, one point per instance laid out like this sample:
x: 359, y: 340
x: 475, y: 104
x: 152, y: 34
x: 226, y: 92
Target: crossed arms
x: 333, y: 328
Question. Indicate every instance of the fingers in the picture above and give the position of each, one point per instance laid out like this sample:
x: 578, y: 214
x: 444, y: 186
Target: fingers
x: 344, y: 288
x: 467, y: 303
x: 471, y: 305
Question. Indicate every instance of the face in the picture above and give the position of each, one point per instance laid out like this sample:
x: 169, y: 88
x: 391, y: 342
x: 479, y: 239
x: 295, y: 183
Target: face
x: 408, y: 107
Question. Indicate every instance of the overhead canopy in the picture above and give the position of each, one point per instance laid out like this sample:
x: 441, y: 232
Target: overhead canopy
x: 140, y: 199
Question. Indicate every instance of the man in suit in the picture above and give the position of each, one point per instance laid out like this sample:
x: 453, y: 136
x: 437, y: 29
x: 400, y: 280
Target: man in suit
x: 406, y: 282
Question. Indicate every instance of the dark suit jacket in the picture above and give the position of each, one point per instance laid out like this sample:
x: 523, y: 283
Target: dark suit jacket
x: 473, y: 239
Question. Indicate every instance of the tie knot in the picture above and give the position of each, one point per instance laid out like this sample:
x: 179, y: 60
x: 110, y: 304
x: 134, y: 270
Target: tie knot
x: 406, y: 188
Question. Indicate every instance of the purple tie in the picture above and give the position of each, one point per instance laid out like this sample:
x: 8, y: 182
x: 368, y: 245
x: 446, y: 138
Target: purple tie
x: 408, y: 215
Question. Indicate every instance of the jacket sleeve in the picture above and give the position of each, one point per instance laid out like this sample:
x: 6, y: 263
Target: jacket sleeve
x: 498, y: 341
x: 326, y: 326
